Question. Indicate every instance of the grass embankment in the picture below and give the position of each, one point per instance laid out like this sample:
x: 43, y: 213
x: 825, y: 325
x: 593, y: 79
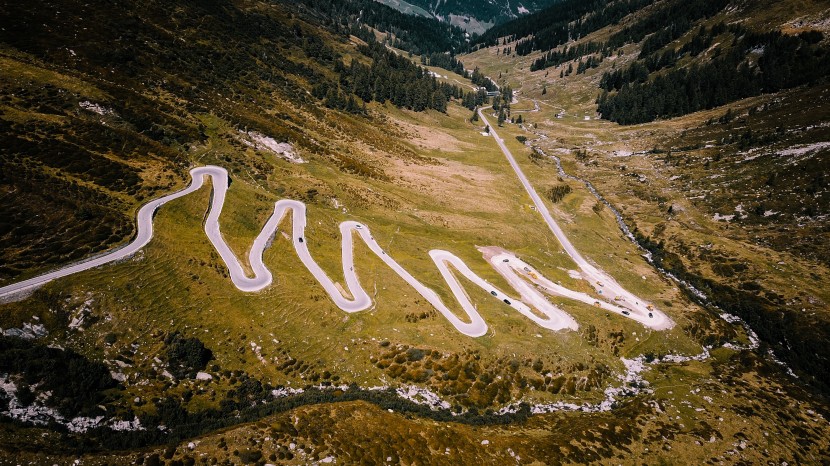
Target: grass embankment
x: 452, y: 190
x: 714, y: 191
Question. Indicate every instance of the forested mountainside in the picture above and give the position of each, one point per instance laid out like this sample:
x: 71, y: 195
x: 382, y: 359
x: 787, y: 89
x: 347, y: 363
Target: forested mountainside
x: 412, y: 33
x: 484, y: 11
x: 369, y: 132
x: 128, y: 74
x: 689, y: 59
x: 663, y: 62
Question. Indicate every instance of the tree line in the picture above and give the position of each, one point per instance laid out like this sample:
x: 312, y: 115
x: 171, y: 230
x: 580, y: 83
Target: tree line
x: 659, y: 28
x: 480, y: 79
x: 247, y: 403
x: 569, y: 21
x: 444, y: 60
x: 412, y: 33
x: 667, y: 22
x: 390, y: 77
x: 560, y: 23
x: 785, y: 61
x: 557, y: 57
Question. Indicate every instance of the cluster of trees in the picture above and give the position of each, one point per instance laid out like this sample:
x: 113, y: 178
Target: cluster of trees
x: 78, y: 385
x: 444, y: 60
x: 473, y: 100
x: 700, y: 41
x: 667, y: 22
x: 502, y: 104
x: 480, y: 79
x: 334, y: 98
x: 591, y: 62
x: 186, y: 356
x: 570, y: 20
x: 652, y: 61
x: 412, y: 33
x: 557, y: 57
x: 560, y: 23
x: 390, y: 77
x: 637, y: 72
x: 659, y: 28
x: 558, y: 192
x: 786, y: 61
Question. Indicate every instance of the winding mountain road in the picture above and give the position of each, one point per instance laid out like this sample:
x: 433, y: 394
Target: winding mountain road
x: 517, y: 273
x: 610, y: 289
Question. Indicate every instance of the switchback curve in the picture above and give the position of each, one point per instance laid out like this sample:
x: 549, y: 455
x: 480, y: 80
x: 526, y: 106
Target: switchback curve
x: 515, y: 271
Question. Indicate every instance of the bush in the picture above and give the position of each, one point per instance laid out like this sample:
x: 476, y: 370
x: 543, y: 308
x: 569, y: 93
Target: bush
x: 187, y: 356
x: 77, y: 384
x: 558, y: 192
x: 250, y: 456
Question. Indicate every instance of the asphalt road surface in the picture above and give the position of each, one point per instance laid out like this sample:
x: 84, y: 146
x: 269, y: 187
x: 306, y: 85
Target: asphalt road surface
x: 515, y: 271
x: 638, y: 309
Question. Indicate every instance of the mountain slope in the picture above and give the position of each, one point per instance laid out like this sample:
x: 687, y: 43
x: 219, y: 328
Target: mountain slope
x: 762, y: 70
x: 474, y: 16
x: 148, y: 97
x: 160, y: 358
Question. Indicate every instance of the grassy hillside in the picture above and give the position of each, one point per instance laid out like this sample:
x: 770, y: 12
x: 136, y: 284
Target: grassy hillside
x: 98, y: 120
x: 699, y: 189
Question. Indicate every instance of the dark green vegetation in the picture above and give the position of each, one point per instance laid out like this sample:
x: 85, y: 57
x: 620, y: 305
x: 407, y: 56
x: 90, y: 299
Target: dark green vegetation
x: 482, y: 80
x: 468, y: 383
x: 390, y: 78
x: 667, y: 21
x: 558, y: 192
x: 443, y: 60
x: 563, y: 21
x: 799, y: 342
x: 186, y: 356
x: 369, y: 433
x: 556, y: 57
x: 726, y: 199
x: 102, y: 134
x: 72, y: 377
x: 742, y: 62
x: 784, y: 202
x: 754, y: 64
x: 62, y: 163
x: 97, y: 120
x: 497, y: 11
x: 411, y: 33
x: 78, y: 386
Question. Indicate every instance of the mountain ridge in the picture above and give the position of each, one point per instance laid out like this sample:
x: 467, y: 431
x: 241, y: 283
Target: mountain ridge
x: 474, y: 16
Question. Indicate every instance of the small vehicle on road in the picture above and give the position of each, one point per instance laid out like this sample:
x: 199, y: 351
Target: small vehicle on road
x: 506, y: 260
x: 507, y: 301
x: 626, y: 313
x: 300, y: 240
x: 493, y: 293
x: 650, y: 315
